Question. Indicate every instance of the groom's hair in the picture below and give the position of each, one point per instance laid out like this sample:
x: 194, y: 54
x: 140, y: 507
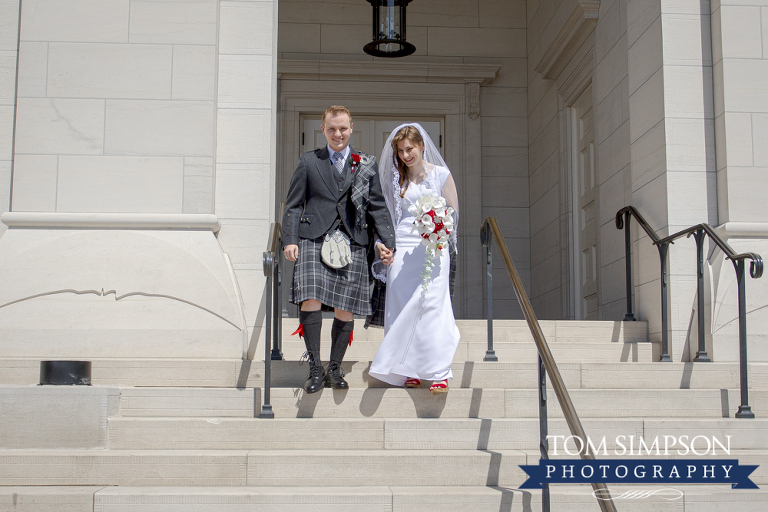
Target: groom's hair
x: 335, y: 110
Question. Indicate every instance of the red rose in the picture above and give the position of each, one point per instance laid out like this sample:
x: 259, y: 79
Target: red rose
x: 353, y: 161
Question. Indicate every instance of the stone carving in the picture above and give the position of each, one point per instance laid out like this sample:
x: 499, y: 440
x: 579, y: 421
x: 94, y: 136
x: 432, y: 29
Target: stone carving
x: 473, y: 100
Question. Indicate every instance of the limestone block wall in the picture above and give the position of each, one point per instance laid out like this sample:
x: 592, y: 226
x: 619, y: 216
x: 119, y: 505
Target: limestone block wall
x: 584, y: 43
x: 143, y: 144
x: 490, y: 32
x: 673, y: 153
x: 740, y: 69
x: 9, y: 35
x: 612, y: 134
x: 544, y: 168
x: 116, y: 107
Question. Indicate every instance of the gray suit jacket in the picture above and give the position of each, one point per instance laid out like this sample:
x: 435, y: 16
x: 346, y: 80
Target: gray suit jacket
x: 318, y: 195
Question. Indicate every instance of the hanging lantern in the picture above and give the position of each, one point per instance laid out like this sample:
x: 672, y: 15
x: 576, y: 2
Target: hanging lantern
x: 389, y: 29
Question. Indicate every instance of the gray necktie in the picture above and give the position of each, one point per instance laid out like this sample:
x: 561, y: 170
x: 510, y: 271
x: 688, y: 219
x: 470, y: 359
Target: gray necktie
x: 338, y: 161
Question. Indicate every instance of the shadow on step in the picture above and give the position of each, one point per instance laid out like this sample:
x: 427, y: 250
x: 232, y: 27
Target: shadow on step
x: 509, y: 496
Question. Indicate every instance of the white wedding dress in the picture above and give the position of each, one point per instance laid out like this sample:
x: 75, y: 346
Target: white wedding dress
x: 420, y: 335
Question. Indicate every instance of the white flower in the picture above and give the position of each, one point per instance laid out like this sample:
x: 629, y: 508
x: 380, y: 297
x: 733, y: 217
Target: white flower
x: 429, y: 211
x: 428, y: 223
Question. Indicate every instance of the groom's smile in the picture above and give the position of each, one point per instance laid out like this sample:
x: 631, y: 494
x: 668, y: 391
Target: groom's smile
x: 337, y: 130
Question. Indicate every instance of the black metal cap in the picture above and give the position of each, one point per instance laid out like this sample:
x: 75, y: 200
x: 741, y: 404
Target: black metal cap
x: 65, y: 373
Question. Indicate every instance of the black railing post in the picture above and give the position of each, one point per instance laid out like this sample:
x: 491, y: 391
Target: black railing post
x: 543, y: 430
x: 701, y: 355
x: 490, y: 354
x: 269, y: 262
x: 629, y: 317
x: 663, y: 248
x: 280, y: 308
x: 745, y: 411
x: 276, y: 355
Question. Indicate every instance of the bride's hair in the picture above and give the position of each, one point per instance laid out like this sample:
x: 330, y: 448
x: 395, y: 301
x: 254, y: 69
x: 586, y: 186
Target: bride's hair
x: 412, y: 134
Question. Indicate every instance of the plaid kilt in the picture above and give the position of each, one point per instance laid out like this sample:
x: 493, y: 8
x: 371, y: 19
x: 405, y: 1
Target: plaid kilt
x: 346, y: 288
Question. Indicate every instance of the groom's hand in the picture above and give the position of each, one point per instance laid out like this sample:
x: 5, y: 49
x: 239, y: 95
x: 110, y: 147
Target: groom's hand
x: 386, y: 255
x: 291, y: 252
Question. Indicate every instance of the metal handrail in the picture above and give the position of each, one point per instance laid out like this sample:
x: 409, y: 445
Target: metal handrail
x: 490, y: 229
x: 272, y: 337
x: 698, y: 232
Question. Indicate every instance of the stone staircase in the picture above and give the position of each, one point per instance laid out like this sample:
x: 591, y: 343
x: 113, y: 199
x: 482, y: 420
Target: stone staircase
x: 181, y: 435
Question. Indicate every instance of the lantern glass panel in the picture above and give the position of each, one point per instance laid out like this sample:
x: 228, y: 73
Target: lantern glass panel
x: 389, y: 21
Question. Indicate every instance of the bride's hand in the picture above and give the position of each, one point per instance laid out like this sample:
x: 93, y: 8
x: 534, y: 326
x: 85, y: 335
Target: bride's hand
x: 386, y: 255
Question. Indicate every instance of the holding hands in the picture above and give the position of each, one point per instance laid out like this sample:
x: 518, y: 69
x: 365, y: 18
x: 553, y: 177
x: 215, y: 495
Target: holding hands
x: 385, y: 254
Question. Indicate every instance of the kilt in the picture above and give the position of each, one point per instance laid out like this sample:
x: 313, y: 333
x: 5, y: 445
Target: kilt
x: 345, y: 288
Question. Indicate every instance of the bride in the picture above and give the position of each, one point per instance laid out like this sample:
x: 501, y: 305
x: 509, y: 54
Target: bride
x: 420, y: 333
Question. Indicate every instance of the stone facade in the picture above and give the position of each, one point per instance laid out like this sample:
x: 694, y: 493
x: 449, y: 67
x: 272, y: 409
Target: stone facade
x: 145, y: 147
x: 154, y: 124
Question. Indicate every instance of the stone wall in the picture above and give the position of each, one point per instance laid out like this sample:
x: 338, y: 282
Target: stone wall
x: 740, y: 67
x: 576, y: 44
x: 9, y: 34
x: 116, y: 107
x: 139, y: 120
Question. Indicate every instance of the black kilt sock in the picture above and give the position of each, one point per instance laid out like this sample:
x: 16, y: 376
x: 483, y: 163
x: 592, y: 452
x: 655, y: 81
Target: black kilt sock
x: 340, y: 333
x: 313, y: 323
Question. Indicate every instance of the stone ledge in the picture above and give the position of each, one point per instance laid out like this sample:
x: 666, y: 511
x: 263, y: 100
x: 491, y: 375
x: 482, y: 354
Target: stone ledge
x: 110, y: 220
x: 435, y: 72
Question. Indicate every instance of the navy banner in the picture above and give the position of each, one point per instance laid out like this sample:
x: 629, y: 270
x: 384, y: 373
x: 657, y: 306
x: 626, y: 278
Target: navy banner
x: 635, y: 471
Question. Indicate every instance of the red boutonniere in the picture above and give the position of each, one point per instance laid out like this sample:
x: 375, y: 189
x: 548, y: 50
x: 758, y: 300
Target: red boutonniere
x: 354, y: 160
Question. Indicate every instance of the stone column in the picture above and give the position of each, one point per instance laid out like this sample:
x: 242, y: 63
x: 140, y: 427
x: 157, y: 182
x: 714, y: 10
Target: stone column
x: 672, y: 151
x: 246, y: 146
x: 740, y: 50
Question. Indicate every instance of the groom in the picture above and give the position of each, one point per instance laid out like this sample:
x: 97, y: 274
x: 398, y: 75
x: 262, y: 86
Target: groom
x: 333, y: 188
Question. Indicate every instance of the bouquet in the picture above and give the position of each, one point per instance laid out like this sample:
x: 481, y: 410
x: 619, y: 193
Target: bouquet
x: 434, y: 222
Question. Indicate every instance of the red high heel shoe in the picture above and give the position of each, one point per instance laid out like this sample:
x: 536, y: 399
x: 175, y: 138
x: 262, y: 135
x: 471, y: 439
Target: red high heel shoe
x: 413, y: 383
x: 439, y: 387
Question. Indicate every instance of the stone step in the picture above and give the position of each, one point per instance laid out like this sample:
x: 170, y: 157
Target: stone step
x: 475, y: 374
x: 236, y: 373
x: 420, y: 403
x: 690, y: 498
x: 481, y: 374
x: 508, y: 330
x: 286, y: 468
x: 512, y: 341
x: 505, y: 351
x: 260, y: 468
x: 422, y: 434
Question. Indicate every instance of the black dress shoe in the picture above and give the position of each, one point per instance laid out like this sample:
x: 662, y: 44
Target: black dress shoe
x: 316, y: 378
x: 335, y: 377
